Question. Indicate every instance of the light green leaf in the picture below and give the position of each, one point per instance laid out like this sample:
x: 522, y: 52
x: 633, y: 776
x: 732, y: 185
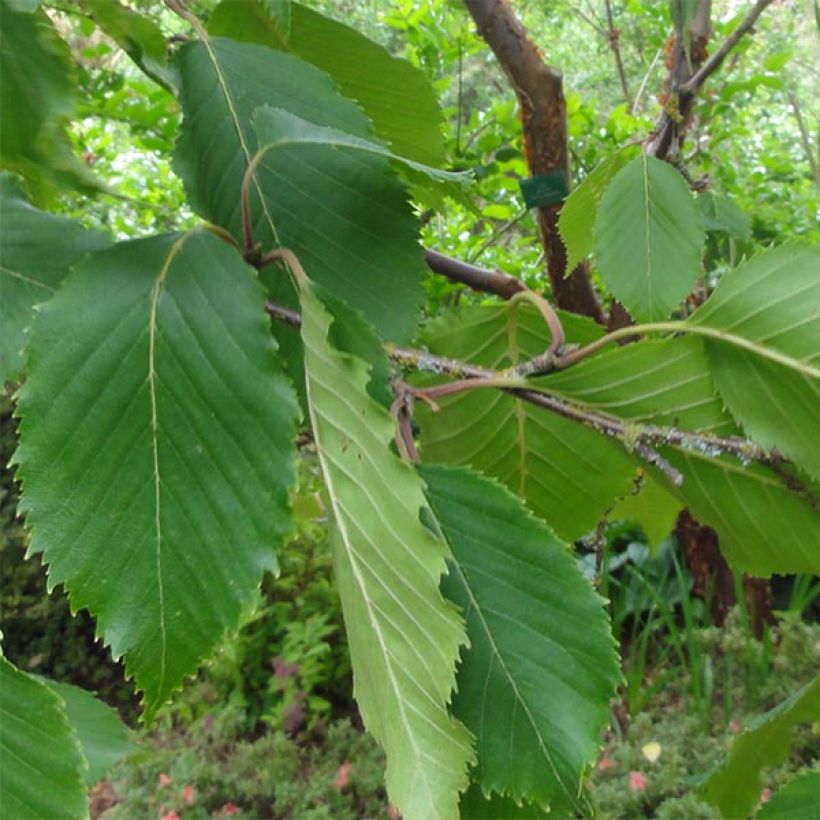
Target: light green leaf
x: 103, y: 737
x: 568, y: 474
x: 798, y: 798
x: 764, y: 349
x: 577, y: 218
x: 36, y: 251
x: 41, y: 765
x: 156, y: 448
x: 721, y: 214
x: 38, y: 95
x: 733, y: 788
x: 535, y: 684
x: 395, y: 95
x: 138, y: 36
x: 404, y: 638
x: 648, y: 238
x: 763, y: 526
x: 315, y: 200
x: 280, y: 12
x: 653, y: 507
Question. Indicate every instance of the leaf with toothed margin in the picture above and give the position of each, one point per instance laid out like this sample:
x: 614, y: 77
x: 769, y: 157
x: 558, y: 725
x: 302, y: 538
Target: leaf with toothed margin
x: 404, y: 637
x: 764, y: 526
x: 567, y: 473
x: 156, y: 448
x: 343, y: 212
x: 534, y: 686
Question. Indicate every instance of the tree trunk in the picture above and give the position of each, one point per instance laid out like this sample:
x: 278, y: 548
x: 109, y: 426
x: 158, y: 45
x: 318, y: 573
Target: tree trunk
x: 544, y: 122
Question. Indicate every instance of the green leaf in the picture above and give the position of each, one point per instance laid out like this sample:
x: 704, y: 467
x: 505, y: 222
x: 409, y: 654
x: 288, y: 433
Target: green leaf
x: 568, y: 474
x: 403, y: 636
x: 763, y: 526
x: 798, y: 798
x: 38, y: 93
x: 103, y: 737
x: 313, y: 199
x: 138, y: 36
x: 648, y: 238
x: 764, y: 349
x: 395, y: 95
x: 277, y: 128
x: 733, y: 788
x: 42, y: 766
x: 577, y: 218
x: 721, y: 214
x: 475, y: 806
x: 156, y: 448
x: 653, y: 507
x: 36, y: 251
x: 535, y: 684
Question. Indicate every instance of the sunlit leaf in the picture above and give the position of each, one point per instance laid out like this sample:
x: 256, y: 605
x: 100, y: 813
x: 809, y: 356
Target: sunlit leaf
x: 155, y: 448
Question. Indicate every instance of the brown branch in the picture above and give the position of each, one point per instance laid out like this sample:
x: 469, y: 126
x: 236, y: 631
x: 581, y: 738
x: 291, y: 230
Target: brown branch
x: 539, y: 89
x: 613, y: 38
x: 714, y: 62
x: 488, y: 281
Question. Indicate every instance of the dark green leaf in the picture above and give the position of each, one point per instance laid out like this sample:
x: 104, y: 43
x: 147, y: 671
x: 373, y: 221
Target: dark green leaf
x: 534, y: 686
x: 36, y: 251
x: 156, y: 448
x: 721, y: 214
x: 798, y: 798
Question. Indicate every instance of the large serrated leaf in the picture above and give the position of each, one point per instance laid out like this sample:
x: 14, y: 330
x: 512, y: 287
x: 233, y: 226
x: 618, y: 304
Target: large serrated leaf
x: 404, y: 637
x: 648, y: 238
x: 734, y: 787
x: 577, y: 219
x: 394, y: 94
x: 764, y: 527
x: 36, y: 251
x: 155, y: 448
x: 38, y: 96
x: 313, y: 199
x: 568, y: 474
x: 41, y: 764
x: 535, y: 684
x: 764, y: 349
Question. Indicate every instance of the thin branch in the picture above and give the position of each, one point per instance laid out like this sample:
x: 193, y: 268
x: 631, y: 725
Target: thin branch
x: 713, y: 63
x: 645, y: 80
x: 613, y: 38
x: 804, y: 137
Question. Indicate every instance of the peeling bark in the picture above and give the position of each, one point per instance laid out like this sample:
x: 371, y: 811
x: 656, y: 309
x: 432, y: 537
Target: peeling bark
x: 543, y: 113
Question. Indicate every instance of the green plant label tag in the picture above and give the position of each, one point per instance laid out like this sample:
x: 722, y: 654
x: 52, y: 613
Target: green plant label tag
x: 545, y: 189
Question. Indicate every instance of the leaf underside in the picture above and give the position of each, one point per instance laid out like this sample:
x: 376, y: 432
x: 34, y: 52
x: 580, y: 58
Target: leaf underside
x: 404, y: 638
x: 773, y: 303
x: 568, y: 474
x: 535, y: 683
x: 764, y: 527
x: 156, y: 448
